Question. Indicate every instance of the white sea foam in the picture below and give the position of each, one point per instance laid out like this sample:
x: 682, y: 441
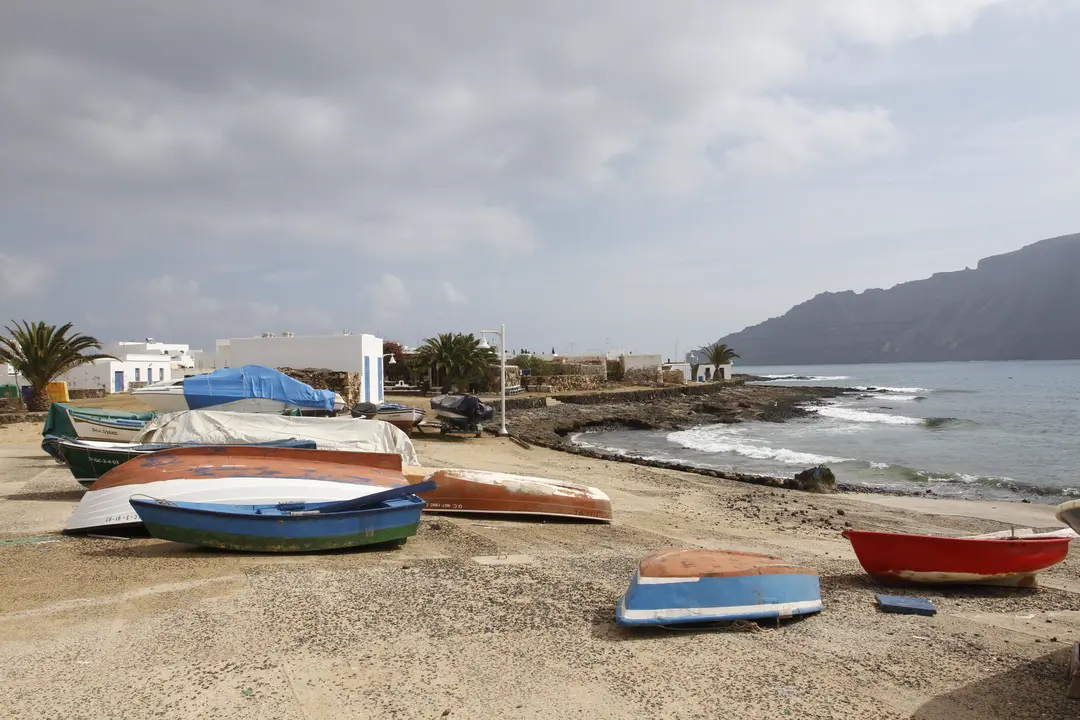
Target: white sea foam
x: 808, y: 378
x: 879, y: 388
x: 717, y: 440
x: 896, y: 398
x: 852, y: 415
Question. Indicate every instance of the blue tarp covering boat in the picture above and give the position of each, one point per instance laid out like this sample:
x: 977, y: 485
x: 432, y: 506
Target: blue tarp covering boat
x: 252, y: 381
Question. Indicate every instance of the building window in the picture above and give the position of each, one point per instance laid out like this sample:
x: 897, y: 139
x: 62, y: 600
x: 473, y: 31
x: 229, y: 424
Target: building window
x: 136, y: 374
x: 160, y: 374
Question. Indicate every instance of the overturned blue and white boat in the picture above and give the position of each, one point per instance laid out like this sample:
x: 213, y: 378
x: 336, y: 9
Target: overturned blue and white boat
x: 676, y: 586
x: 250, y: 389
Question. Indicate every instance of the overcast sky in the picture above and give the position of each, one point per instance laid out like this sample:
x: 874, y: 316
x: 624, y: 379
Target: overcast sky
x: 614, y: 172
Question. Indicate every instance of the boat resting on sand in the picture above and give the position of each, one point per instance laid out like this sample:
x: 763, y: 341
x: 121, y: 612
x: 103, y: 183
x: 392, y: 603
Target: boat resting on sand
x: 898, y: 558
x: 675, y: 586
x: 1069, y: 513
x: 90, y: 459
x: 487, y: 492
x: 389, y: 516
x: 241, y: 475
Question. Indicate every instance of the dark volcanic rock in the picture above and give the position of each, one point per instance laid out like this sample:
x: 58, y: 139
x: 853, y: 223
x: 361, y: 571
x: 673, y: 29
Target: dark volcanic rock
x: 1023, y: 305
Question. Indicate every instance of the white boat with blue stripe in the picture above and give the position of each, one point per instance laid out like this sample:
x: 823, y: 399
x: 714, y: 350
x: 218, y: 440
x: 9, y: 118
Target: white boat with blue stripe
x: 678, y: 586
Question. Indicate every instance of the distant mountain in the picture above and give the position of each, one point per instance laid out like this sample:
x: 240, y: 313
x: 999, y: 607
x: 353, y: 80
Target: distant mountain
x: 1023, y: 305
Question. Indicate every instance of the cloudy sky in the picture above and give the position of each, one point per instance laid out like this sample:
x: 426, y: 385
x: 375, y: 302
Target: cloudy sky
x: 616, y: 172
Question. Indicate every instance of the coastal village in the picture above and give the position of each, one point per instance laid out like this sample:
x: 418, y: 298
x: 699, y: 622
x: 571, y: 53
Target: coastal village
x: 343, y: 526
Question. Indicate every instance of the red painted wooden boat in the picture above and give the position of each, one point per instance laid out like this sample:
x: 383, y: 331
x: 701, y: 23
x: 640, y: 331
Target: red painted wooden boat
x: 925, y: 559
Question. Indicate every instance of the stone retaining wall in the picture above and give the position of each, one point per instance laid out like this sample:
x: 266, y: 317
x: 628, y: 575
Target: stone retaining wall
x: 674, y: 377
x: 86, y: 393
x: 344, y: 383
x: 25, y: 417
x: 563, y: 383
x: 644, y: 376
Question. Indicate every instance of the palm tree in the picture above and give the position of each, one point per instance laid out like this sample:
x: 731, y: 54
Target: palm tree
x: 41, y: 353
x: 694, y: 366
x: 457, y: 358
x: 719, y: 354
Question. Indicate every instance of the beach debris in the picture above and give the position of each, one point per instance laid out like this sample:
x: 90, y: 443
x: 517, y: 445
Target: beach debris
x: 906, y: 605
x: 246, y: 692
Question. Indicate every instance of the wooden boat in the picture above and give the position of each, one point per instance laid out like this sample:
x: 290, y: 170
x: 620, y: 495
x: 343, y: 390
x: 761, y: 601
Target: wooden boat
x: 401, y: 416
x: 674, y: 586
x: 90, y: 459
x: 242, y: 475
x: 1069, y: 513
x: 391, y: 515
x: 898, y: 558
x: 96, y: 427
x: 482, y: 491
x: 75, y: 421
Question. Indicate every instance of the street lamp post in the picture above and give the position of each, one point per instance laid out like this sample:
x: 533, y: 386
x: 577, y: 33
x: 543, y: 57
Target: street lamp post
x: 501, y: 332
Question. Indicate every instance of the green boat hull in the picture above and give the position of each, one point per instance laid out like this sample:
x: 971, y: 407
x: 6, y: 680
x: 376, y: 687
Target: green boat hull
x: 88, y: 464
x: 253, y: 543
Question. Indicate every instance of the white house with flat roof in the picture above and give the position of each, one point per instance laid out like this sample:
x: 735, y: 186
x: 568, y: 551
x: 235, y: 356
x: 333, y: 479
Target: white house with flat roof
x: 360, y: 353
x: 129, y: 370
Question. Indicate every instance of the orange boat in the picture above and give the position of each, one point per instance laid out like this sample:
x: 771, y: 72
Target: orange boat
x: 483, y: 491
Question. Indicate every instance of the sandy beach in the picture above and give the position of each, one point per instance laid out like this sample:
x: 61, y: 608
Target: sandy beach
x: 485, y: 618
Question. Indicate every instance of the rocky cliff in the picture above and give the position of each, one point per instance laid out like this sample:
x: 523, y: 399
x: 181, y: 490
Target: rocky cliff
x: 1023, y: 305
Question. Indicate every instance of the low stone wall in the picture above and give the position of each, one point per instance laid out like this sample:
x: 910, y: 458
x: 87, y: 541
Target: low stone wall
x: 12, y: 418
x: 674, y: 377
x: 86, y: 393
x: 564, y: 383
x: 345, y: 383
x: 644, y: 376
x: 11, y: 405
x: 635, y: 396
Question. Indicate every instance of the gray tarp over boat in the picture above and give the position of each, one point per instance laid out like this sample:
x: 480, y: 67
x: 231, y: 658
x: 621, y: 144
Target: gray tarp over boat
x: 222, y: 428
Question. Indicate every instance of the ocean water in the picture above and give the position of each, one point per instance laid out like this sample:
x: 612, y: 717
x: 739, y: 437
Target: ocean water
x: 1001, y: 430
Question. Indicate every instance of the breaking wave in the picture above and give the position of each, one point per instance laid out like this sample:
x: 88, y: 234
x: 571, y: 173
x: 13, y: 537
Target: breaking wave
x: 713, y: 440
x: 901, y: 390
x: 813, y: 378
x: 863, y: 416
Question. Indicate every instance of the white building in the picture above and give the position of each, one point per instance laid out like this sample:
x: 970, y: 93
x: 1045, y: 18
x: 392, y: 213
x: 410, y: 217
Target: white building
x: 352, y: 353
x: 706, y: 371
x: 119, y: 375
x: 180, y: 353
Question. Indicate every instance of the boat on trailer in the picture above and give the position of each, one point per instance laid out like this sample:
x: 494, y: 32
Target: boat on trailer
x: 90, y: 459
x: 240, y: 475
x: 401, y: 416
x: 678, y: 586
x: 388, y: 516
x: 903, y: 559
x: 497, y: 493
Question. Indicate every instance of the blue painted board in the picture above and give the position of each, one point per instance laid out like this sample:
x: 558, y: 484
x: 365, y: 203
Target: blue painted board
x: 906, y: 605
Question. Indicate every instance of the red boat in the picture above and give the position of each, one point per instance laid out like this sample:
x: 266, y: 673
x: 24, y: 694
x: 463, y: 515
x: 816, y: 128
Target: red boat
x: 925, y: 559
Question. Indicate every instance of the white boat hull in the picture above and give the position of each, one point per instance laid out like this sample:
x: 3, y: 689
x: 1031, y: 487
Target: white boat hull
x: 1069, y: 513
x: 109, y: 508
x: 89, y: 429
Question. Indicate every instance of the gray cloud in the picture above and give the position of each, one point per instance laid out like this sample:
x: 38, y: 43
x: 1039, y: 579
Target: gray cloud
x: 578, y: 171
